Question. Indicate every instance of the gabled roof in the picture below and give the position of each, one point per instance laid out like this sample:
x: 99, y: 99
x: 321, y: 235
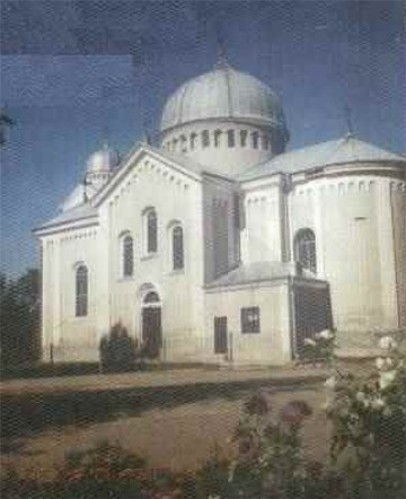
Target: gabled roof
x: 178, y: 162
x: 89, y: 210
x: 334, y: 152
x: 83, y: 212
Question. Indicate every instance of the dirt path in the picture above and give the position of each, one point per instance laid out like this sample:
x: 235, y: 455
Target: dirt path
x: 178, y: 437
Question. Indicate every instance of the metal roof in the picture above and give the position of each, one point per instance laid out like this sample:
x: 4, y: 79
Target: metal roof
x: 345, y: 150
x: 223, y: 93
x: 81, y: 212
x: 253, y: 273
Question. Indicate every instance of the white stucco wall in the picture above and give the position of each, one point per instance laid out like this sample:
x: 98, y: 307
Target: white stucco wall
x: 353, y: 222
x: 398, y: 202
x: 221, y: 231
x: 273, y: 344
x: 224, y: 159
x: 262, y: 238
x: 176, y: 198
x: 70, y: 337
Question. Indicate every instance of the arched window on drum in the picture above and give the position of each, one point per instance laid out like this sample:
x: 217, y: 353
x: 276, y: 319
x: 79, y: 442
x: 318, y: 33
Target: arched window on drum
x: 305, y: 249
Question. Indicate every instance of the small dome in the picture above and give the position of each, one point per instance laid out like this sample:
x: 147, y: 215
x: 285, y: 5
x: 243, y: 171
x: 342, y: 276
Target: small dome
x: 223, y: 93
x: 104, y: 160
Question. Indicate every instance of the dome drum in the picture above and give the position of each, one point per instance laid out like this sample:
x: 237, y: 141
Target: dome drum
x: 224, y: 119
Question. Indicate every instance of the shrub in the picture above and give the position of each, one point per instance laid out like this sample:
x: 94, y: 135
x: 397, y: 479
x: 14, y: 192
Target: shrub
x: 369, y: 427
x: 118, y: 351
x: 320, y: 347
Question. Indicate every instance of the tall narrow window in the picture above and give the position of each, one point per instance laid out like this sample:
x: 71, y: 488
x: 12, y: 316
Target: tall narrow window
x: 177, y: 248
x: 265, y: 142
x: 217, y: 138
x: 128, y: 256
x: 255, y: 137
x: 243, y: 138
x: 183, y: 143
x: 231, y: 138
x: 152, y: 231
x: 193, y: 137
x: 205, y: 138
x: 305, y: 249
x: 81, y: 289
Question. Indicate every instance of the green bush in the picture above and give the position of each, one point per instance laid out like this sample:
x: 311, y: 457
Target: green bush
x: 118, y: 351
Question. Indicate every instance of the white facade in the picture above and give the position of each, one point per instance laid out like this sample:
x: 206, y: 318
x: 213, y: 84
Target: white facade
x: 198, y: 242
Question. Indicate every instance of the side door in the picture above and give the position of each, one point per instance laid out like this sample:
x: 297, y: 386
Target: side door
x: 220, y: 335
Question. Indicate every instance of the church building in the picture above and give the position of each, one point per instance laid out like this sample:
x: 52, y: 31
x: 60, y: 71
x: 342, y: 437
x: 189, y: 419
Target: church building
x: 218, y: 245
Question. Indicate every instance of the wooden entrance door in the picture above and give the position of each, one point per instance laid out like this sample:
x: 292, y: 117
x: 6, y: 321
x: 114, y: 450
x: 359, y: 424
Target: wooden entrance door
x: 220, y: 335
x: 152, y: 331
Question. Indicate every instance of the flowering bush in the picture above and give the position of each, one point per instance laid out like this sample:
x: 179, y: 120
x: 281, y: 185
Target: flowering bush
x: 368, y: 451
x: 269, y: 461
x: 369, y: 427
x: 320, y: 347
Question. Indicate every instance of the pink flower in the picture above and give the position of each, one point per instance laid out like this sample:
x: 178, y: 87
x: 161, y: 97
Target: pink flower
x: 295, y: 412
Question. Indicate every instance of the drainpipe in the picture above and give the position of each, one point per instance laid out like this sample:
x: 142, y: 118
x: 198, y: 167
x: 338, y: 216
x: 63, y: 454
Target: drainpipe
x: 292, y: 317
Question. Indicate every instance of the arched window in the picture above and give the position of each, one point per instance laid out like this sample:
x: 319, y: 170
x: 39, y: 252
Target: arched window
x: 217, y: 138
x: 81, y: 291
x: 265, y: 142
x: 193, y: 137
x: 243, y: 138
x: 151, y: 297
x: 151, y: 231
x: 205, y: 138
x: 177, y: 248
x: 305, y: 249
x: 128, y: 256
x: 183, y: 143
x: 255, y: 137
x: 174, y: 144
x: 231, y: 138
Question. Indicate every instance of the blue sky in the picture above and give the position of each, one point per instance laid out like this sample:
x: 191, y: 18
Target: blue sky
x: 74, y: 71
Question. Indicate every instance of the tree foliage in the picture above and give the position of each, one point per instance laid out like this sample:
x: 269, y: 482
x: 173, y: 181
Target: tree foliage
x: 20, y: 318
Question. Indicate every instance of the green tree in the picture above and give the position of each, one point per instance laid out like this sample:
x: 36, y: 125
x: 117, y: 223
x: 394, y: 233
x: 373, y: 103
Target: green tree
x: 20, y: 318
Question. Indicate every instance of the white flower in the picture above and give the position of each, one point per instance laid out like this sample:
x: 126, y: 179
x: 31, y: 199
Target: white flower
x: 330, y: 382
x: 362, y: 398
x: 380, y: 363
x: 326, y: 334
x: 386, y: 378
x: 309, y: 341
x: 377, y: 403
x: 387, y: 342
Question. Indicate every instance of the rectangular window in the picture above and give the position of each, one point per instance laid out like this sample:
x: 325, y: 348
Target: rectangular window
x: 250, y: 322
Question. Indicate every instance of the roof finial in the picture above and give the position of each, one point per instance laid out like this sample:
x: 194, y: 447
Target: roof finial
x: 222, y: 61
x: 348, y: 119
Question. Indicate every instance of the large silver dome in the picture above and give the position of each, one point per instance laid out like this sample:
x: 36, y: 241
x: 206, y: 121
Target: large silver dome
x: 223, y: 93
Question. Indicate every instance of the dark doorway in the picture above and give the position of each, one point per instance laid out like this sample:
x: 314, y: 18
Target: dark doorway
x: 151, y: 326
x: 312, y: 314
x: 220, y: 335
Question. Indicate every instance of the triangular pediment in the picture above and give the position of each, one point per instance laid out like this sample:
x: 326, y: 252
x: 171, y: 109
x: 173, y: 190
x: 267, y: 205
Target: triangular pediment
x: 146, y: 157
